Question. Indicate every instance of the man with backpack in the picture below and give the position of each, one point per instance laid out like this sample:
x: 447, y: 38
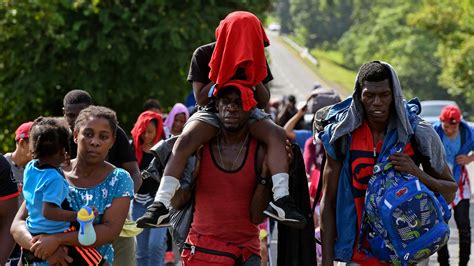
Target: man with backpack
x: 458, y: 140
x: 360, y: 132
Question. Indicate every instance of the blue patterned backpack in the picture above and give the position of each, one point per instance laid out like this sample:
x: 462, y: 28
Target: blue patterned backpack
x: 403, y: 220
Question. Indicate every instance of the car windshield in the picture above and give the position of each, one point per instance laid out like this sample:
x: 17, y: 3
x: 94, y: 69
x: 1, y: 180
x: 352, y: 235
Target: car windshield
x: 431, y: 110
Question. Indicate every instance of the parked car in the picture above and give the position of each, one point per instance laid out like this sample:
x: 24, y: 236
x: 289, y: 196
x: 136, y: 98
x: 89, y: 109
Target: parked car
x: 274, y: 27
x: 430, y: 110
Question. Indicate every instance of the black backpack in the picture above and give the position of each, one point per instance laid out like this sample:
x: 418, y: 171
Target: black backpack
x: 322, y: 97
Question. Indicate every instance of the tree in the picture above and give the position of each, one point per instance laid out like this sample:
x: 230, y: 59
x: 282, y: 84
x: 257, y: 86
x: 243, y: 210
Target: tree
x: 321, y: 22
x: 429, y: 42
x: 452, y: 23
x: 122, y: 52
x: 386, y: 35
x: 283, y: 10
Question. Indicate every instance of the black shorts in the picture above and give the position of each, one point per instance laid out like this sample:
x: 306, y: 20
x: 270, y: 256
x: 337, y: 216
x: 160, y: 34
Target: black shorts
x: 81, y: 256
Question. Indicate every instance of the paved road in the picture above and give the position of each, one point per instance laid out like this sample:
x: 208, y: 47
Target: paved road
x: 453, y: 243
x: 291, y: 74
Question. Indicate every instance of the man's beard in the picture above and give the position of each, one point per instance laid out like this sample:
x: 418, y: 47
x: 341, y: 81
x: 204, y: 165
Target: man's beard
x: 233, y: 129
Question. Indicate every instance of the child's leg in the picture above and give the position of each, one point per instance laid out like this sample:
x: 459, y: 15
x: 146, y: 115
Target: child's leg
x: 194, y: 135
x: 85, y: 256
x: 274, y: 137
x: 282, y: 208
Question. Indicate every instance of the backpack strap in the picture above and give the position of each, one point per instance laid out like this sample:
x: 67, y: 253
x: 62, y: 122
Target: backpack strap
x: 342, y: 146
x: 462, y: 131
x: 320, y: 186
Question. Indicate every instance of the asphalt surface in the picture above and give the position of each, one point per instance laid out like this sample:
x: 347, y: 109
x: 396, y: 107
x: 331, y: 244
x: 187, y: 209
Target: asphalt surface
x: 291, y: 75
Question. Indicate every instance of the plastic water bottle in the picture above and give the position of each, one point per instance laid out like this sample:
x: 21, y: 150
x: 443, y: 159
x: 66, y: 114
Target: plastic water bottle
x: 85, y: 217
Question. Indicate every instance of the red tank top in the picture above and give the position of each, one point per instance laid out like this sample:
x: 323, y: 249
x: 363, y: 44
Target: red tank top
x: 222, y: 201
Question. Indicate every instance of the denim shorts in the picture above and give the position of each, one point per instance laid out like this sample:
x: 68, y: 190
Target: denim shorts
x: 212, y: 119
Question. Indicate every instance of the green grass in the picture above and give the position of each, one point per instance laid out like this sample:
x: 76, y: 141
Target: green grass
x: 296, y: 39
x: 270, y: 19
x: 334, y: 56
x: 331, y: 68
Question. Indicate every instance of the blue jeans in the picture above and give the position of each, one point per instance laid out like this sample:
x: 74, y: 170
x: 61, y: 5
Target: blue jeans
x: 151, y: 243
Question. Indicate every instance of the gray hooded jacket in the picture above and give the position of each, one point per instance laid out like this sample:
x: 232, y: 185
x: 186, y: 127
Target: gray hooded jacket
x: 429, y: 143
x: 399, y: 129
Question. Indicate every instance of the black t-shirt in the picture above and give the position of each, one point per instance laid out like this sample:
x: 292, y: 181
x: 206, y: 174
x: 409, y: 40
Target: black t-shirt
x: 149, y: 186
x: 199, y: 68
x: 121, y: 152
x: 8, y: 186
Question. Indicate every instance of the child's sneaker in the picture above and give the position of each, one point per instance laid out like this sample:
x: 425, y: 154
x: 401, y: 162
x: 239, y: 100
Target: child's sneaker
x: 156, y: 215
x: 284, y: 211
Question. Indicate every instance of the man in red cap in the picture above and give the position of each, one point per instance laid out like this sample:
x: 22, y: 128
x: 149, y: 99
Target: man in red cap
x: 17, y: 160
x: 21, y: 155
x: 458, y: 142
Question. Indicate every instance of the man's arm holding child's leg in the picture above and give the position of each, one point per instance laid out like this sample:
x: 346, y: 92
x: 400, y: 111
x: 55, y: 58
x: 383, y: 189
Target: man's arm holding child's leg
x: 261, y: 198
x: 262, y: 194
x: 282, y: 207
x: 274, y: 138
x: 194, y: 135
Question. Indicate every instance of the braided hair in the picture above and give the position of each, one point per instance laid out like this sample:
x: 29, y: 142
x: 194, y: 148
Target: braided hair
x: 48, y: 136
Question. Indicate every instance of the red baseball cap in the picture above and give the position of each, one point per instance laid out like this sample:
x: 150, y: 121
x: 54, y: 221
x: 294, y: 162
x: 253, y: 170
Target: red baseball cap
x: 450, y: 114
x: 23, y: 131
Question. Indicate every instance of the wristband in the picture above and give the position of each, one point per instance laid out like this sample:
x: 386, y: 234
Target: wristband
x: 267, y: 182
x: 211, y: 90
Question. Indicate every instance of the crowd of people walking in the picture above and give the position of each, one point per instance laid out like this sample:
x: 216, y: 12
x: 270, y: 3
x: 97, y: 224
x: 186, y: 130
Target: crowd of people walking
x: 241, y: 154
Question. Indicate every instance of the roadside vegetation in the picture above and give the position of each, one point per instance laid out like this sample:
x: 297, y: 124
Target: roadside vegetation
x: 429, y: 42
x: 122, y: 52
